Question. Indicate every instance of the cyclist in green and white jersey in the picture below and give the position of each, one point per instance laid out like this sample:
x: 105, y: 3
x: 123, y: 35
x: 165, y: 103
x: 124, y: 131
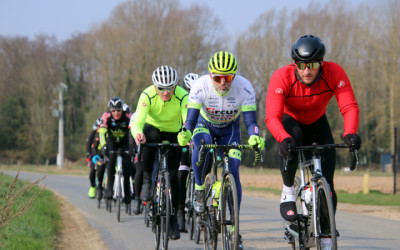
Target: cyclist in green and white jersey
x: 159, y: 116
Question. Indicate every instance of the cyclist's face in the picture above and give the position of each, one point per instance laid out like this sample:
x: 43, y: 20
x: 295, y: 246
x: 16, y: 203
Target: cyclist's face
x: 221, y: 85
x: 116, y: 113
x: 308, y: 75
x: 165, y: 95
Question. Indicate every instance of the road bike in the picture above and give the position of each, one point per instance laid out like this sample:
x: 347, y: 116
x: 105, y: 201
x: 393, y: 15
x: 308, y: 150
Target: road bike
x: 221, y: 211
x: 161, y: 203
x: 119, y: 192
x: 315, y: 209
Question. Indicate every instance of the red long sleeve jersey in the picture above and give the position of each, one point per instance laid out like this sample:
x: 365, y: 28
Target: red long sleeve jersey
x: 306, y: 104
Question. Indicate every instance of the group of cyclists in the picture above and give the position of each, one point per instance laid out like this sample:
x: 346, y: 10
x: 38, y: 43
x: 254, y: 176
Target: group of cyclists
x: 208, y: 108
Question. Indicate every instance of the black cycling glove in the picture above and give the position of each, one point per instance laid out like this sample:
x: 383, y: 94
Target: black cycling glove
x: 284, y: 148
x: 353, y: 141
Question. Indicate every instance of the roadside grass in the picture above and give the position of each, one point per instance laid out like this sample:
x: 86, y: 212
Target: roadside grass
x: 38, y: 227
x: 373, y: 198
x: 76, y: 169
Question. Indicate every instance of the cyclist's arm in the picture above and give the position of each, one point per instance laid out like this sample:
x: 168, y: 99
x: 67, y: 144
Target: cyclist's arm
x: 274, y: 106
x: 142, y: 110
x: 250, y: 120
x: 89, y: 141
x: 103, y: 129
x: 184, y: 108
x: 192, y: 116
x: 347, y: 104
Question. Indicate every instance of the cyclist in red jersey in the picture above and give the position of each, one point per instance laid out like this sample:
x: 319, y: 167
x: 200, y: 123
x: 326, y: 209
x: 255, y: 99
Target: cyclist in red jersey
x: 296, y: 102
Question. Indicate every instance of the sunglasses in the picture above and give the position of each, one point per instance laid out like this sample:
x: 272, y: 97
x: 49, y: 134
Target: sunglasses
x: 169, y: 90
x: 310, y: 65
x: 218, y: 78
x: 115, y: 110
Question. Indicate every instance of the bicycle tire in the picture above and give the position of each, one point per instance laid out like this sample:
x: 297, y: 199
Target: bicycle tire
x: 197, y: 233
x: 118, y: 193
x: 165, y: 200
x: 301, y: 222
x: 156, y: 227
x: 210, y: 235
x: 229, y: 214
x: 189, y: 206
x: 325, y: 214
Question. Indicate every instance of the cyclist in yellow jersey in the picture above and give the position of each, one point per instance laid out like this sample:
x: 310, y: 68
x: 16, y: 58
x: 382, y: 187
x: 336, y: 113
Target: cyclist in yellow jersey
x: 159, y: 116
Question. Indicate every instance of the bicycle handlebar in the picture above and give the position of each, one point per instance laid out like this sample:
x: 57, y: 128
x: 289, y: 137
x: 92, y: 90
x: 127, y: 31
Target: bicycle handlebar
x: 316, y: 147
x: 257, y: 151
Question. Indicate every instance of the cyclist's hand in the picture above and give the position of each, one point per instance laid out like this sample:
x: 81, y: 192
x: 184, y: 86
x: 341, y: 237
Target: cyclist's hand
x: 257, y: 140
x: 140, y: 138
x: 353, y: 141
x: 284, y: 148
x: 184, y: 137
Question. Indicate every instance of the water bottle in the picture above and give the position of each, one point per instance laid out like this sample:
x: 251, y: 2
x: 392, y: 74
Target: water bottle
x: 216, y: 190
x: 158, y: 190
x: 307, y: 195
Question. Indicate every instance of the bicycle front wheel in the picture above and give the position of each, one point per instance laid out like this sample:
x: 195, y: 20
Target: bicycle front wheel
x: 165, y: 204
x: 210, y: 234
x: 118, y: 193
x: 230, y: 214
x: 325, y: 214
x: 189, y: 206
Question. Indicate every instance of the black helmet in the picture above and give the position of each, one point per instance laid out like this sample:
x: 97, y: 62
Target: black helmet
x: 308, y: 48
x: 115, y: 103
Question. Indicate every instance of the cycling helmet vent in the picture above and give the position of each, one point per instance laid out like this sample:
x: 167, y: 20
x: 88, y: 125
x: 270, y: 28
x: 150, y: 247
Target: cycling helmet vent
x: 115, y: 103
x: 222, y: 62
x: 164, y: 76
x: 189, y: 80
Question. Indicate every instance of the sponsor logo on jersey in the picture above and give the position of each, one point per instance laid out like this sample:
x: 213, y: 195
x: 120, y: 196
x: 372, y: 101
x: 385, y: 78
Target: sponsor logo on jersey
x: 279, y: 91
x: 222, y: 112
x: 248, y: 91
x: 341, y: 84
x: 144, y: 104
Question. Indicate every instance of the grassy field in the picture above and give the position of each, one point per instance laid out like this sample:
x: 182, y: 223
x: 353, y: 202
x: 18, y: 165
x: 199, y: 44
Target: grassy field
x: 38, y: 227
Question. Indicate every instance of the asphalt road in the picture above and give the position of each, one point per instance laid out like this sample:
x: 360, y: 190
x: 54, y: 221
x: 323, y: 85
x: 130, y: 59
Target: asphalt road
x: 260, y: 223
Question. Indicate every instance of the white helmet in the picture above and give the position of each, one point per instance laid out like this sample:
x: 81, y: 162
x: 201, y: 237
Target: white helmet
x: 189, y: 80
x: 164, y: 76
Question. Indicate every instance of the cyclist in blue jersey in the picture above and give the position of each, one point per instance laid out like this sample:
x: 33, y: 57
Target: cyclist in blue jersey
x: 215, y: 104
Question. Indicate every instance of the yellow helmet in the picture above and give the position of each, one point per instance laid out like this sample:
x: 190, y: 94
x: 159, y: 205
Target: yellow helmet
x: 222, y: 62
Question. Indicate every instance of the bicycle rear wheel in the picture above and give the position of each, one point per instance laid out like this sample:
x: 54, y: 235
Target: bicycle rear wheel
x: 165, y: 203
x: 230, y: 214
x: 325, y: 214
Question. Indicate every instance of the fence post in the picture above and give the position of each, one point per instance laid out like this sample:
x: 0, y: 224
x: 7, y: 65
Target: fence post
x: 394, y: 162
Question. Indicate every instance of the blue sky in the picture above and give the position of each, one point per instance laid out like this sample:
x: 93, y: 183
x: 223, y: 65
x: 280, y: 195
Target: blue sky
x: 63, y: 18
